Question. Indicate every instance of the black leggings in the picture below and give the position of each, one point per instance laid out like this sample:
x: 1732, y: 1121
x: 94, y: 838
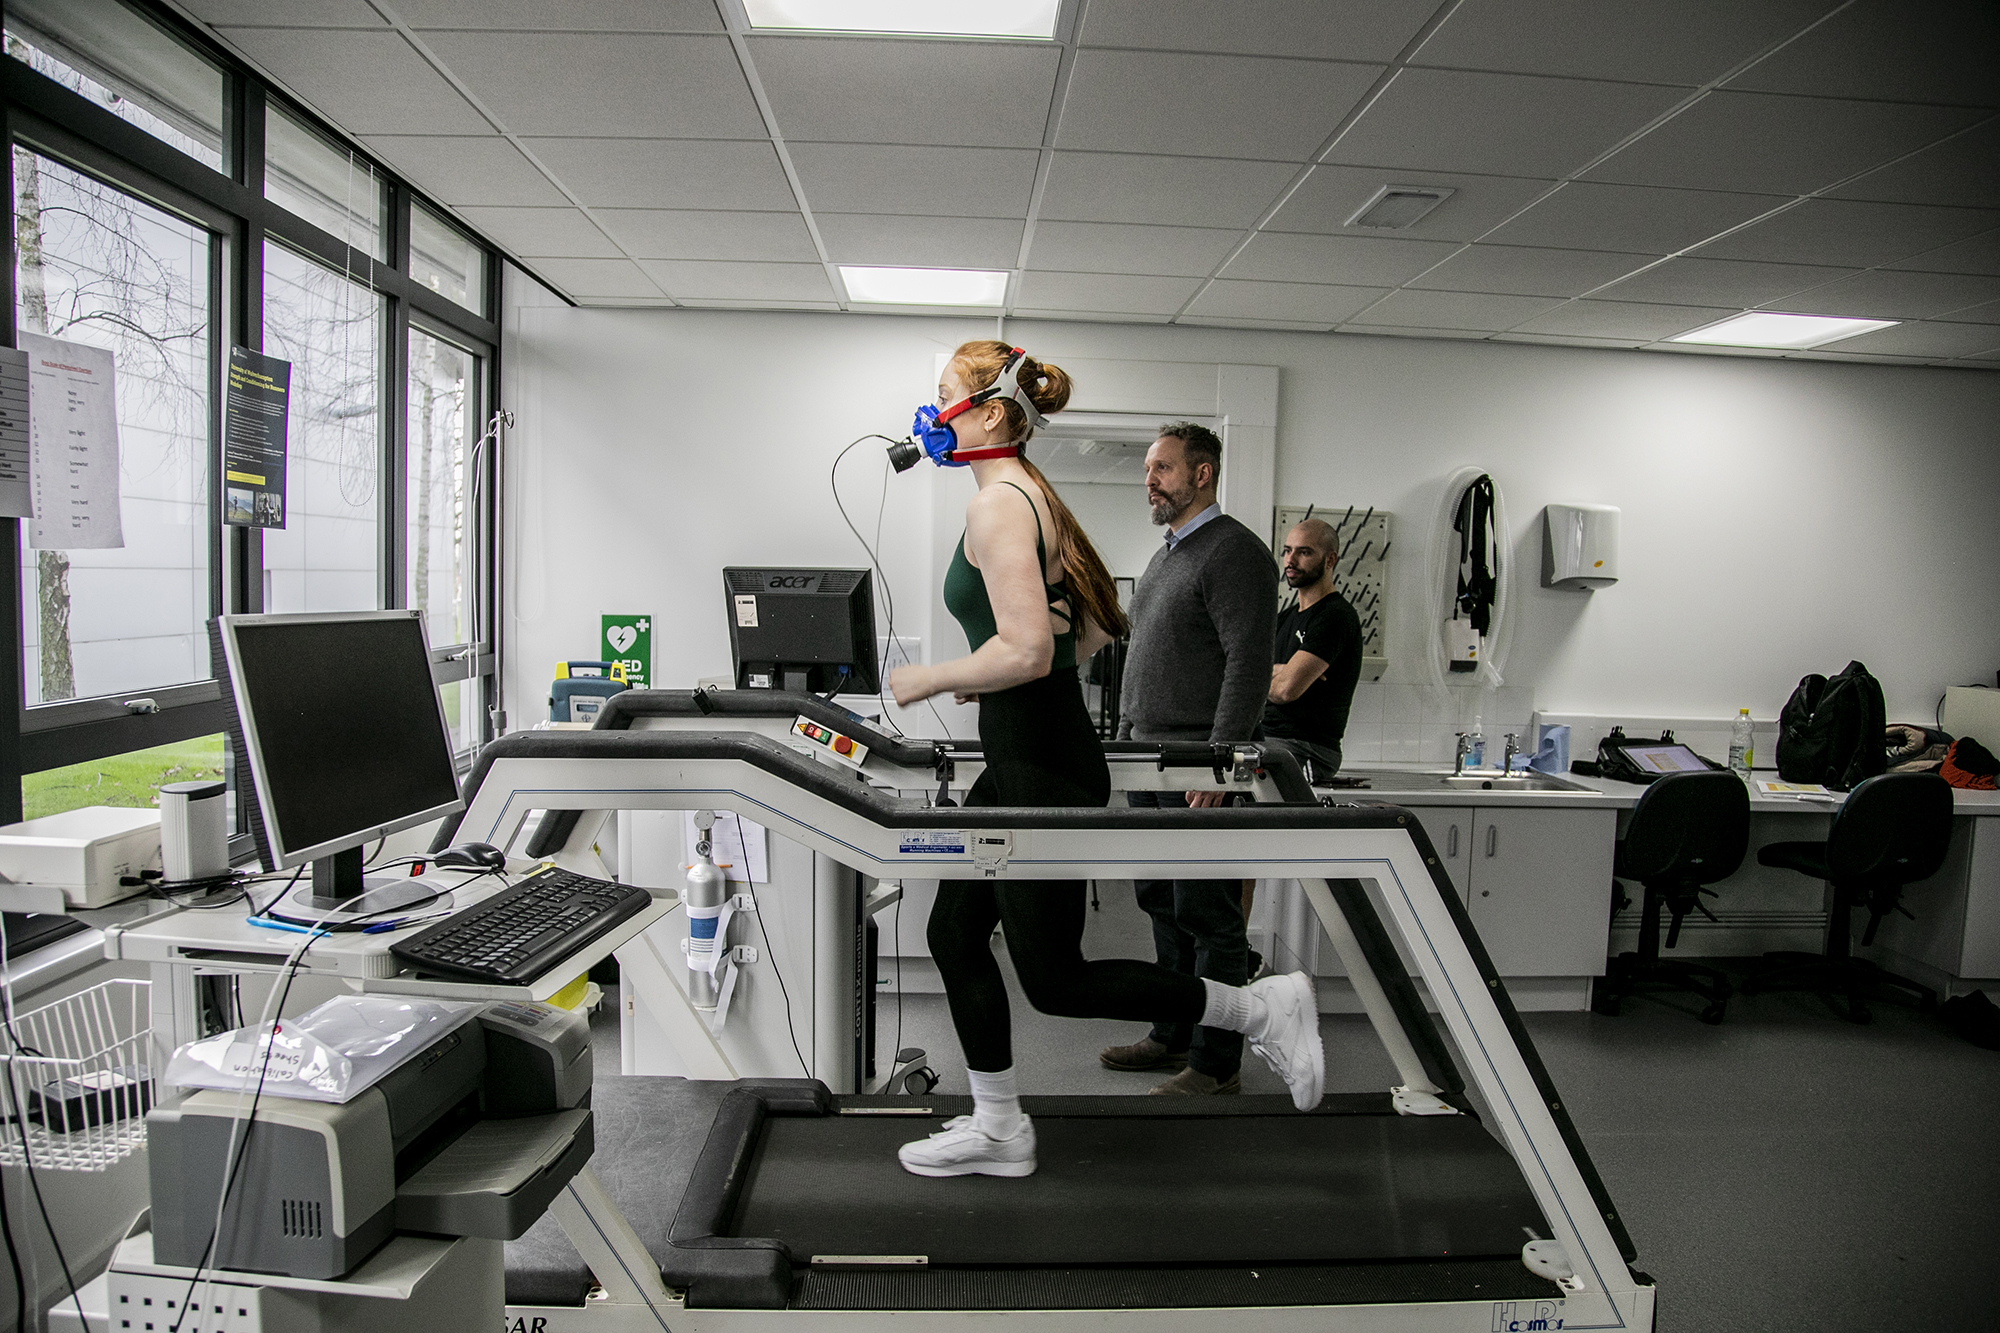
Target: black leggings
x: 1043, y: 918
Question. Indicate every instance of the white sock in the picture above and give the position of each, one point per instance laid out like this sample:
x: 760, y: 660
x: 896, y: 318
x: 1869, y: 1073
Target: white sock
x: 996, y: 1106
x: 1232, y: 1008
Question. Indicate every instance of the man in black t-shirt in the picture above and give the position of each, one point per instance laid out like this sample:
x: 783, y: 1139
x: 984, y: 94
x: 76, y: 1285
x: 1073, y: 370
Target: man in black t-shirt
x: 1317, y: 658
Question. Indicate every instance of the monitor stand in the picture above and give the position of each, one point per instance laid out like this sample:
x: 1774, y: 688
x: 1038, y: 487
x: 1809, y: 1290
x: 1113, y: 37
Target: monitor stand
x: 339, y: 894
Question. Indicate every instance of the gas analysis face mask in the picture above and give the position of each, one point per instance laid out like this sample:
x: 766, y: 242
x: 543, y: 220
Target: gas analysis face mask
x: 931, y: 434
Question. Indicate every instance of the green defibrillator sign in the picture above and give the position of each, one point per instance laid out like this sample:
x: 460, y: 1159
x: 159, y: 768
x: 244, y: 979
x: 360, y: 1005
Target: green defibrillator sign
x: 628, y: 641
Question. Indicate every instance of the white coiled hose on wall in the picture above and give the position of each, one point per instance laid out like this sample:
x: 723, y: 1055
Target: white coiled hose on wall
x: 1442, y: 587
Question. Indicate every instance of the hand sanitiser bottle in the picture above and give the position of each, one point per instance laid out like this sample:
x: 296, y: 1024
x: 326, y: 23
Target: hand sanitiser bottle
x: 1740, y: 748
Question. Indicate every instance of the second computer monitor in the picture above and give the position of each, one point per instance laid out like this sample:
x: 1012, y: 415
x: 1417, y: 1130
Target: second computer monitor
x: 803, y: 629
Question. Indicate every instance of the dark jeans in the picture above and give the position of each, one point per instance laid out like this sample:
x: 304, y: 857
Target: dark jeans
x: 1198, y: 930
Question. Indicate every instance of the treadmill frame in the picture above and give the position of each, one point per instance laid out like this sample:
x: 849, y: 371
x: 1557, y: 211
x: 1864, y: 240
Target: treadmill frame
x: 1372, y: 878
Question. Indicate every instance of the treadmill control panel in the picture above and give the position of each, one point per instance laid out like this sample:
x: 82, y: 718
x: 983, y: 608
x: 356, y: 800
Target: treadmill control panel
x: 844, y: 748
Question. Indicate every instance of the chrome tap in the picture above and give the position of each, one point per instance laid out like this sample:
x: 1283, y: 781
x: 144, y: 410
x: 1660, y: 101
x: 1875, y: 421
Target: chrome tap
x: 1458, y: 759
x: 1507, y: 764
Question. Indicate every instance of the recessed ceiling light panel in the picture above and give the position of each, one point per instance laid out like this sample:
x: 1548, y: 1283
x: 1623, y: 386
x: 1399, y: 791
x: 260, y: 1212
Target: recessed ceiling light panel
x: 925, y: 286
x: 1394, y: 207
x: 1769, y: 328
x: 964, y: 18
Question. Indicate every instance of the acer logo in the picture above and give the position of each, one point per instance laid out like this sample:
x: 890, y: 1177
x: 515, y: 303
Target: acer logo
x: 799, y: 582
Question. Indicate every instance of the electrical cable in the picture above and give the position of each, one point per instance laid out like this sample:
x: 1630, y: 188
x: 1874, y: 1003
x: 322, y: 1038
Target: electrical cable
x: 783, y: 989
x: 13, y: 1261
x: 882, y: 577
x: 896, y: 943
x: 21, y: 1125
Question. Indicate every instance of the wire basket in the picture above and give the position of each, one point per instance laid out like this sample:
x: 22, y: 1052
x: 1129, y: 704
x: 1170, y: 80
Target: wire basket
x: 78, y: 1083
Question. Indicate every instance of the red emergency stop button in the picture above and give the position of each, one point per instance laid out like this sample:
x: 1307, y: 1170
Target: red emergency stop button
x: 842, y: 745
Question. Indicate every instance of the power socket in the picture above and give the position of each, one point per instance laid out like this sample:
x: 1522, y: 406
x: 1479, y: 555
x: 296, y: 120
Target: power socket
x: 147, y: 1303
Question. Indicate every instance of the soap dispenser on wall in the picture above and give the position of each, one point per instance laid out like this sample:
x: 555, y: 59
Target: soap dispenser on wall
x: 1579, y: 546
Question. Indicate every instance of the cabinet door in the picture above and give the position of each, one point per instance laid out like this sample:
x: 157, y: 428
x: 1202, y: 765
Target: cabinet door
x: 1450, y: 830
x: 1541, y: 889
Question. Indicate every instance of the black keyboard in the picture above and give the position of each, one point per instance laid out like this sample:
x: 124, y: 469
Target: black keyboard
x: 515, y: 936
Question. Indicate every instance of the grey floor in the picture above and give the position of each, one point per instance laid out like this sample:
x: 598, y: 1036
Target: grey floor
x: 1785, y: 1172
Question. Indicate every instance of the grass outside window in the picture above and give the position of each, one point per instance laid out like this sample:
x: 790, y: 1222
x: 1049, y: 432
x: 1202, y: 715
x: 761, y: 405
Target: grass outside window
x: 132, y: 780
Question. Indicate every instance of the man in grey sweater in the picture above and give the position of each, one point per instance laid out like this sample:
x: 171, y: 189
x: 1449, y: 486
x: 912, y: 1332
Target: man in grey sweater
x: 1202, y: 620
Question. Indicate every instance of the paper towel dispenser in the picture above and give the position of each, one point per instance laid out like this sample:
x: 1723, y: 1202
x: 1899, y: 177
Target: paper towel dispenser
x: 1579, y: 546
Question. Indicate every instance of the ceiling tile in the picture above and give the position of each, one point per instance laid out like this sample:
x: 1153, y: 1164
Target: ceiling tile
x: 1894, y: 294
x: 1522, y: 271
x: 365, y: 82
x: 1101, y: 292
x: 1568, y: 340
x: 880, y: 238
x: 884, y: 90
x: 1196, y: 320
x: 1411, y: 331
x: 1651, y: 41
x: 1978, y: 254
x: 1454, y: 310
x: 1639, y: 219
x: 1788, y: 145
x: 666, y: 173
x: 1623, y: 319
x: 1730, y: 282
x: 1311, y: 303
x: 1331, y: 195
x: 597, y: 277
x: 931, y: 182
x: 467, y: 170
x: 1892, y: 50
x: 1174, y: 191
x: 1979, y: 314
x: 654, y: 233
x: 1855, y: 359
x: 587, y: 83
x: 721, y: 303
x: 739, y: 281
x: 542, y: 231
x: 1958, y: 171
x: 1845, y: 231
x: 1377, y: 30
x: 1111, y: 247
x: 1927, y: 339
x: 1091, y: 316
x: 286, y: 13
x: 570, y: 16
x: 1497, y: 124
x: 1360, y: 261
x: 1207, y: 105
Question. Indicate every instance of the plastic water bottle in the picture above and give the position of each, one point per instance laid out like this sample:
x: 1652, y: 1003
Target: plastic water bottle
x: 1740, y: 748
x: 1475, y: 757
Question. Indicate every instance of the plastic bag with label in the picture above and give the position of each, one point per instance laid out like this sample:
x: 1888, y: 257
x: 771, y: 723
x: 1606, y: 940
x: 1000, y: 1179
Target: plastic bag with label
x: 333, y: 1053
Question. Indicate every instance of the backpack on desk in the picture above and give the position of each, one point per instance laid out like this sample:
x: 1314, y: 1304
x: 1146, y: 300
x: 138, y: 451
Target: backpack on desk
x: 1830, y: 731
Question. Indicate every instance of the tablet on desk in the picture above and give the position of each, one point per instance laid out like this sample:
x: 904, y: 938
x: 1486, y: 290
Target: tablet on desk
x: 1668, y: 758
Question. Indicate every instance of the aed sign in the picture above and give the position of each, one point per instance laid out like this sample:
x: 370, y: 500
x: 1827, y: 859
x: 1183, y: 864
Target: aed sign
x: 628, y: 641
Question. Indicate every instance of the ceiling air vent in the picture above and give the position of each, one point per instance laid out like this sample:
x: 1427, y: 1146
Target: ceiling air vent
x: 1395, y: 207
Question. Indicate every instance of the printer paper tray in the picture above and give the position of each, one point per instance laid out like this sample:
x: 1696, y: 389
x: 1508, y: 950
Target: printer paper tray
x: 497, y: 1178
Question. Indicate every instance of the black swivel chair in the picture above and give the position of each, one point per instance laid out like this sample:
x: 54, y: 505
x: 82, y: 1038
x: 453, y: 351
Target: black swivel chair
x: 1892, y: 830
x: 1687, y: 831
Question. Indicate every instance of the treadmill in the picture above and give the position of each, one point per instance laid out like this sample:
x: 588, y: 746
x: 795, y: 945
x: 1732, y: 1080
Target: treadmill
x: 1463, y: 1198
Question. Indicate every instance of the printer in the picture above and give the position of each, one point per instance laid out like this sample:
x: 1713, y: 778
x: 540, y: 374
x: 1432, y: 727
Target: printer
x: 472, y: 1137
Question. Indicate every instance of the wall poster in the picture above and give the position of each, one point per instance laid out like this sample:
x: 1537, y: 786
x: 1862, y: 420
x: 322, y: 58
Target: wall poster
x: 253, y: 439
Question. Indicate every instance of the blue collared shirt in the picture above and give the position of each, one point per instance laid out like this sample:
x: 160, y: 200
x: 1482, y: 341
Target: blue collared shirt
x: 1175, y: 536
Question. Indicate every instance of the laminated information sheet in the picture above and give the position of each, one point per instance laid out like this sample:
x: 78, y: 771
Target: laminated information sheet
x: 72, y: 446
x: 14, y: 496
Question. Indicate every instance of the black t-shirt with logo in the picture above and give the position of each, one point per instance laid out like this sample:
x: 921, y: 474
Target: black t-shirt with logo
x: 1330, y: 631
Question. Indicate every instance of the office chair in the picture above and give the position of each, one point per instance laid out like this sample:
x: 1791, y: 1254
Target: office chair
x: 1687, y: 831
x: 1891, y: 831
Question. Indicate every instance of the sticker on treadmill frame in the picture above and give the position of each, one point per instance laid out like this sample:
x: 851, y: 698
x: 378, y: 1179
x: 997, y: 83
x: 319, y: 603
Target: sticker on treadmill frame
x: 932, y: 842
x: 1522, y: 1316
x: 746, y: 612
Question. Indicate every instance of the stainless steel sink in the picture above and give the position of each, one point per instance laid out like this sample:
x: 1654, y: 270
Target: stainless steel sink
x: 1503, y: 782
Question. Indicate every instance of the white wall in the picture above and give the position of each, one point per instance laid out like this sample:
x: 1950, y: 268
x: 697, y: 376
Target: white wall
x: 1779, y: 517
x: 1118, y: 521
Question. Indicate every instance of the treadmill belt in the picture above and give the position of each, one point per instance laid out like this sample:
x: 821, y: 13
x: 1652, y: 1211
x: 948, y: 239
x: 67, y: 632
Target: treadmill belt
x: 1277, y: 1187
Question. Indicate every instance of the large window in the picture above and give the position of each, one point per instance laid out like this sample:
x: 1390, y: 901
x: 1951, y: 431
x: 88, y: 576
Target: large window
x: 168, y: 207
x: 326, y: 557
x: 96, y: 267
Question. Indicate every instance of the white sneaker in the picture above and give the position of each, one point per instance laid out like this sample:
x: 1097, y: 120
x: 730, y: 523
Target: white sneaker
x: 1289, y: 1039
x: 959, y: 1149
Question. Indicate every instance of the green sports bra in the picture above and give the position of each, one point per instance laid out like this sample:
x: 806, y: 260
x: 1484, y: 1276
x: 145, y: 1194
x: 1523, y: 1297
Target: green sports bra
x: 965, y: 597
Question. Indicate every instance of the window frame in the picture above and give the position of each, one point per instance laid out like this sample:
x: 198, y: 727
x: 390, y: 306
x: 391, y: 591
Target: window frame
x: 42, y: 116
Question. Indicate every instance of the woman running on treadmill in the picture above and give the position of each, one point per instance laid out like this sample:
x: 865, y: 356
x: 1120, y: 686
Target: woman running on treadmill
x: 1034, y: 600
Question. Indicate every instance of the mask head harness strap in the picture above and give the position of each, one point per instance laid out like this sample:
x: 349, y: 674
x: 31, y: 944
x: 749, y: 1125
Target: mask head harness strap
x: 1006, y: 386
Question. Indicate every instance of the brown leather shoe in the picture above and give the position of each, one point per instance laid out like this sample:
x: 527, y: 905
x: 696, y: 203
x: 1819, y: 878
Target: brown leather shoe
x: 1194, y: 1083
x: 1144, y: 1053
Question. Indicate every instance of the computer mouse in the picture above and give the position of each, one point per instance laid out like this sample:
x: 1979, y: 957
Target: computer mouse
x: 471, y: 856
